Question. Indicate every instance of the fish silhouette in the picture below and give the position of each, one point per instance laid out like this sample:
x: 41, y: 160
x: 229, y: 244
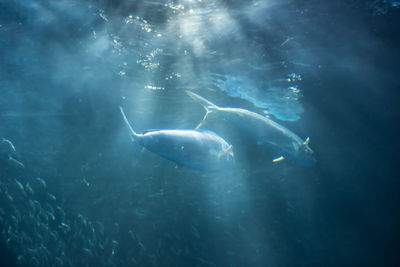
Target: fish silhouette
x: 265, y: 131
x: 197, y: 149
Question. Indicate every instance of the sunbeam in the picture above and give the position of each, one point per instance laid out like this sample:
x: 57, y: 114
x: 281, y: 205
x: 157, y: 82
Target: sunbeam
x: 199, y: 133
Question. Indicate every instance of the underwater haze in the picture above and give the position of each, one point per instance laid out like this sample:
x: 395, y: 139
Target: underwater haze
x: 77, y: 188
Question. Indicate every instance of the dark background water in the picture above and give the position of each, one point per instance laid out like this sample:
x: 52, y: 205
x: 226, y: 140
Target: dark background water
x: 65, y: 69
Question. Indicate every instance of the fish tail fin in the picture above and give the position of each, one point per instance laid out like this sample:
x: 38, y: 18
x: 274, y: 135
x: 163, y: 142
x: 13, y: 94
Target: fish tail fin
x: 203, y: 120
x: 207, y: 105
x: 132, y: 133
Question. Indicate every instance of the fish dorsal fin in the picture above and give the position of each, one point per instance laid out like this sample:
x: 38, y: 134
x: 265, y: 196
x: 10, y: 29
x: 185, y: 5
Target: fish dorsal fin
x: 307, y: 141
x: 132, y: 133
x: 201, y: 100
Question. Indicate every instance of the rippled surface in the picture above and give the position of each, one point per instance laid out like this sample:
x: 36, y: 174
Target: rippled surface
x: 75, y: 191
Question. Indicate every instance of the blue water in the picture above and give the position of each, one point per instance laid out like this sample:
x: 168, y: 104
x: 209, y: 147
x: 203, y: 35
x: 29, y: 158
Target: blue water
x: 75, y: 190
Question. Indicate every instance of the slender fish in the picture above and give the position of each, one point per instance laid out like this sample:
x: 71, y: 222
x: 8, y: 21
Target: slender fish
x: 265, y: 131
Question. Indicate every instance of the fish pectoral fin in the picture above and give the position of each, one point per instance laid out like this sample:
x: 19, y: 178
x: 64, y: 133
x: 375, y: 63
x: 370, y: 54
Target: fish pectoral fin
x: 278, y: 159
x: 307, y: 141
x: 223, y: 154
x: 203, y: 120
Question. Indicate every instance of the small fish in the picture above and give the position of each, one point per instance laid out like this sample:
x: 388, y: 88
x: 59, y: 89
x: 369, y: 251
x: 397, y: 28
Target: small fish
x: 195, y: 232
x: 29, y: 188
x: 114, y: 244
x: 51, y: 196
x: 264, y: 130
x: 9, y: 143
x: 82, y: 219
x: 19, y: 185
x: 16, y: 162
x: 20, y: 259
x: 85, y: 182
x: 51, y: 215
x: 61, y: 211
x: 141, y: 245
x: 37, y: 205
x: 88, y: 252
x: 91, y: 227
x: 41, y: 182
x: 201, y: 150
x: 65, y: 227
x: 10, y: 198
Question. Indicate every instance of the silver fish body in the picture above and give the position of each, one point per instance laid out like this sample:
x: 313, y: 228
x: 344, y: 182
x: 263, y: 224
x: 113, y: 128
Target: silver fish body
x: 202, y: 150
x: 264, y: 130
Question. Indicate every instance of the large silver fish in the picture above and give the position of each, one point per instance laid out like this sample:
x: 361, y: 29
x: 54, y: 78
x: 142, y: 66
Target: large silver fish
x: 201, y: 150
x: 277, y: 137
